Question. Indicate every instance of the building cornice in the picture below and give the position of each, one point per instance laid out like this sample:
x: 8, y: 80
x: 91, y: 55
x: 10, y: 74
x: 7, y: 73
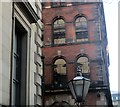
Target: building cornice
x: 28, y: 11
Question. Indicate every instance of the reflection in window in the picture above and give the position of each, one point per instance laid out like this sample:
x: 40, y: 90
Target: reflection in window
x: 54, y: 3
x: 59, y: 31
x: 62, y: 2
x: 19, y: 65
x: 59, y: 74
x: 77, y: 2
x: 83, y: 65
x: 81, y: 29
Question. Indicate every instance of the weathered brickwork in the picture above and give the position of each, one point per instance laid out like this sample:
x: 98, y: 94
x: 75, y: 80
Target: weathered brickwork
x: 94, y: 48
x: 69, y: 14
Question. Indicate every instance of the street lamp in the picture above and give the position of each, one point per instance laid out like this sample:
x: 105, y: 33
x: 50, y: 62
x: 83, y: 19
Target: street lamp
x: 79, y: 87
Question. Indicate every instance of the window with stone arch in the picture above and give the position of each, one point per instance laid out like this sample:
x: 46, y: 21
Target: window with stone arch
x: 81, y: 29
x: 59, y: 74
x: 59, y: 31
x: 83, y: 65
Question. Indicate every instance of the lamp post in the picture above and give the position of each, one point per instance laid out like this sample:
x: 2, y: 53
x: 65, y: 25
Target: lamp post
x: 79, y: 87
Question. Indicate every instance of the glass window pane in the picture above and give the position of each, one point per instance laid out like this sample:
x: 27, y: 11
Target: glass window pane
x: 60, y: 66
x: 83, y: 63
x: 81, y: 29
x: 60, y: 77
x: 59, y: 31
x: 14, y: 93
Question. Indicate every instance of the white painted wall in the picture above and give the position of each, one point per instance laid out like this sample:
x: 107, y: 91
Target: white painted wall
x: 5, y: 50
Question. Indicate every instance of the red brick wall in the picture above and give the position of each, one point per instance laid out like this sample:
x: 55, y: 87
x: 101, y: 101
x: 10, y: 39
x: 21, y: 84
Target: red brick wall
x: 69, y: 52
x: 69, y: 14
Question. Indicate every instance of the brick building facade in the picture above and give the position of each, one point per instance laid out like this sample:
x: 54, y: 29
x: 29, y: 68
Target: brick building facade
x: 75, y: 37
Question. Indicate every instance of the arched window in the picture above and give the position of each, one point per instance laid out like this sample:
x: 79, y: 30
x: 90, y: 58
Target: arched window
x: 83, y: 65
x: 81, y: 29
x: 59, y: 75
x: 59, y: 31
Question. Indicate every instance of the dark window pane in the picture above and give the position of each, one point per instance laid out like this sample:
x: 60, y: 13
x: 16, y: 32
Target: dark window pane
x: 59, y: 75
x: 81, y: 29
x: 54, y: 3
x: 59, y: 32
x: 62, y: 3
x: 81, y: 35
x: 83, y: 65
